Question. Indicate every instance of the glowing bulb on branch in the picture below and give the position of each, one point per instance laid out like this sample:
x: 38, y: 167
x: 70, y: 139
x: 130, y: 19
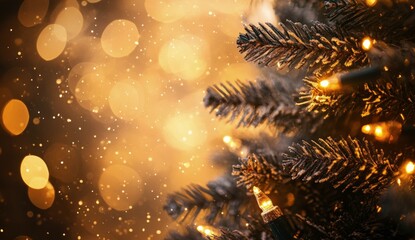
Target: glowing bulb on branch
x: 264, y: 202
x: 409, y: 167
x: 367, y: 43
x: 273, y: 216
x: 405, y: 177
x: 384, y: 131
x: 207, y: 231
x: 371, y: 3
x: 344, y: 81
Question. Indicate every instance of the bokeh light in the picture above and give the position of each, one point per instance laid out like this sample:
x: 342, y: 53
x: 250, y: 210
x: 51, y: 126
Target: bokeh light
x: 124, y: 101
x: 120, y: 38
x: 186, y: 56
x: 51, y: 41
x: 120, y: 187
x: 184, y: 131
x: 72, y: 20
x: 63, y: 161
x: 32, y: 12
x: 15, y: 117
x: 114, y: 90
x: 42, y: 198
x: 92, y: 91
x: 34, y: 172
x: 166, y: 11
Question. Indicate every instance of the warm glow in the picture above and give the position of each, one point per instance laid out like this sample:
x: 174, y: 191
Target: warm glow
x: 262, y: 11
x: 256, y: 190
x: 15, y: 117
x: 32, y: 12
x: 120, y: 38
x: 51, y: 41
x: 184, y: 132
x: 42, y: 198
x: 206, y: 231
x: 72, y: 20
x: 324, y: 83
x: 264, y: 202
x: 124, y: 101
x: 92, y: 91
x: 366, y: 129
x: 409, y: 167
x: 185, y: 56
x: 378, y: 132
x: 383, y: 131
x: 227, y: 139
x: 167, y: 11
x: 371, y: 3
x: 331, y: 83
x: 232, y: 143
x: 367, y: 43
x: 34, y: 172
x: 120, y: 186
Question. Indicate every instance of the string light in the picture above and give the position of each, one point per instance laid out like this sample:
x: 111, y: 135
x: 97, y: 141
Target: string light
x: 344, y: 81
x: 406, y: 172
x: 409, y: 167
x: 235, y: 145
x: 273, y: 216
x: 371, y: 3
x: 384, y: 131
x: 206, y: 231
x: 367, y: 43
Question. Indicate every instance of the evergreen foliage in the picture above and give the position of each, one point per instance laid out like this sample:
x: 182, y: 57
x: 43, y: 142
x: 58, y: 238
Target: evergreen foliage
x: 328, y: 179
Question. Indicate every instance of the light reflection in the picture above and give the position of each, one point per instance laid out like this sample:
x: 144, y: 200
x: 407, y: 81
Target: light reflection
x: 128, y: 104
x: 32, y: 12
x: 51, y: 41
x: 186, y: 56
x: 42, y: 198
x: 34, y: 172
x: 120, y: 187
x: 15, y: 117
x: 72, y: 20
x: 124, y: 101
x: 120, y: 38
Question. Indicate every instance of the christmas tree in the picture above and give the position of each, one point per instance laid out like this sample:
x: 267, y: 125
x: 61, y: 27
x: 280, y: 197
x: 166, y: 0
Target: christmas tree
x: 339, y: 97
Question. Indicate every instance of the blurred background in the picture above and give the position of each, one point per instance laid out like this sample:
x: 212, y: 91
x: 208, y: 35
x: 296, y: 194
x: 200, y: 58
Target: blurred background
x: 102, y: 110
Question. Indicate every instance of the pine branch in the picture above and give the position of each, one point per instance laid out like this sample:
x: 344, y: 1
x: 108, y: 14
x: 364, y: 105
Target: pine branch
x: 347, y: 164
x: 389, y: 98
x: 221, y: 201
x: 321, y: 48
x: 261, y: 171
x: 390, y: 22
x: 258, y: 103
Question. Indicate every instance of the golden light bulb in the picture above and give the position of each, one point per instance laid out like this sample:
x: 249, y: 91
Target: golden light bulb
x: 366, y: 129
x: 256, y: 190
x: 269, y: 211
x: 371, y: 3
x: 325, y: 83
x: 410, y: 167
x: 367, y: 43
x: 264, y: 202
x: 384, y: 131
x: 378, y: 132
x: 227, y: 139
x: 331, y: 83
x: 208, y: 232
